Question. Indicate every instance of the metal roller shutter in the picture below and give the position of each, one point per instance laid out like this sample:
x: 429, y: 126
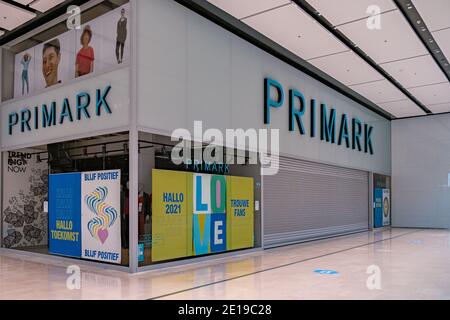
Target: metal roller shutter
x: 308, y: 200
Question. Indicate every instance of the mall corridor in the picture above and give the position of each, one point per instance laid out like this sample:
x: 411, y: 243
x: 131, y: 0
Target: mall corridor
x: 413, y: 264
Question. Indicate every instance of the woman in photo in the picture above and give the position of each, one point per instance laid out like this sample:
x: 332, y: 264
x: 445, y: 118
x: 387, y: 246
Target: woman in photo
x: 26, y: 59
x: 121, y: 36
x: 85, y: 57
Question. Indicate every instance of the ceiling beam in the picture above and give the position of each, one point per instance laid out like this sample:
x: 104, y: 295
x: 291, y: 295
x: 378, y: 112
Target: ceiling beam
x: 411, y: 14
x: 305, y: 6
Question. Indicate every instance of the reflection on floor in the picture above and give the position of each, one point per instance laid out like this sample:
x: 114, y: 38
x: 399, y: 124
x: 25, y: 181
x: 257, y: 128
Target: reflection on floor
x: 391, y: 264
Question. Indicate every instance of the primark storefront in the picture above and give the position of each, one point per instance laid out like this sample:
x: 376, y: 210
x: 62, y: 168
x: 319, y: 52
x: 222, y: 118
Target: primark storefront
x: 88, y: 159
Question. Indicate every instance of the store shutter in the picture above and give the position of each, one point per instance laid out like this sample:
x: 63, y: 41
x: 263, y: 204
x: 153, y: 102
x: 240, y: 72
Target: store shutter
x: 308, y: 200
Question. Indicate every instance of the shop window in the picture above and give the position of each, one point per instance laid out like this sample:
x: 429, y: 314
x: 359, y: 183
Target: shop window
x: 67, y: 52
x: 193, y: 209
x: 68, y: 199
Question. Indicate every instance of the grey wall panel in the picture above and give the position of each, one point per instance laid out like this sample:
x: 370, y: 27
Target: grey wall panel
x: 421, y: 172
x: 192, y: 69
x: 307, y: 200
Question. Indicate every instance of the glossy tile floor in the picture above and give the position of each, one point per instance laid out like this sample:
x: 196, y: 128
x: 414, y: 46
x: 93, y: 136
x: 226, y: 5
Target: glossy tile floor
x: 408, y: 264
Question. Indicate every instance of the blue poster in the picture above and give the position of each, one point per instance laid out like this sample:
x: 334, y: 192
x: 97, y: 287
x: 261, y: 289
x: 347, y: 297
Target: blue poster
x: 218, y: 232
x: 378, y: 208
x: 64, y: 214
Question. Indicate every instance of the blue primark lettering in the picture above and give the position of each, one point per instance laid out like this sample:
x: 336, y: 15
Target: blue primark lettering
x: 29, y: 119
x: 329, y: 121
x: 296, y: 114
x: 368, y: 147
x: 328, y: 126
x: 343, y: 132
x: 25, y: 120
x: 101, y: 101
x: 268, y: 102
x: 357, y: 132
x: 49, y: 117
x: 82, y: 107
x: 65, y: 113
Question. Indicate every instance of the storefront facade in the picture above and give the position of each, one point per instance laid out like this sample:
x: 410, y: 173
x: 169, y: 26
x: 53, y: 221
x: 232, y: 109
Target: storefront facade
x: 97, y: 134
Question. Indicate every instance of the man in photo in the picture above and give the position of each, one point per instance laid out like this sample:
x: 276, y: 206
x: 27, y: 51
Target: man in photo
x: 85, y: 57
x: 51, y: 57
x: 121, y: 36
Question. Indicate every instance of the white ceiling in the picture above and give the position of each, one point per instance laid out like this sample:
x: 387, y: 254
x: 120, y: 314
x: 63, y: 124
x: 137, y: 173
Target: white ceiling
x: 414, y: 72
x: 244, y: 8
x: 45, y: 5
x: 11, y: 16
x: 402, y: 108
x: 342, y: 11
x: 435, y: 13
x: 395, y: 47
x: 347, y: 67
x: 292, y: 28
x: 395, y: 40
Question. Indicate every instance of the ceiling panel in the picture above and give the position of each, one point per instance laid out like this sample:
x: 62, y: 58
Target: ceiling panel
x: 12, y: 16
x: 434, y: 94
x: 435, y: 13
x: 402, y: 108
x: 395, y: 40
x: 348, y: 10
x: 24, y: 2
x: 379, y: 91
x: 241, y: 9
x: 439, y: 108
x: 443, y: 40
x: 45, y: 5
x: 415, y: 72
x: 347, y: 67
x: 293, y: 29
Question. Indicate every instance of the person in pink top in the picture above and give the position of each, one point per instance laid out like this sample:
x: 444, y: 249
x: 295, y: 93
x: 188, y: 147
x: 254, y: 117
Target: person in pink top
x: 85, y: 57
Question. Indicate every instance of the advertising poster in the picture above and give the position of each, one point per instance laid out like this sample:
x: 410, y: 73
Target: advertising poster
x: 24, y: 75
x: 386, y: 207
x: 172, y: 215
x: 100, y: 45
x: 84, y: 215
x: 54, y: 61
x: 100, y: 216
x: 378, y: 208
x: 240, y: 213
x: 65, y: 214
x: 24, y: 197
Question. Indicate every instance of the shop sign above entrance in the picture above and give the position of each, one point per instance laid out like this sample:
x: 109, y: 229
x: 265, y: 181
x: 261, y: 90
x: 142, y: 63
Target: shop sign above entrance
x: 54, y: 113
x: 341, y: 130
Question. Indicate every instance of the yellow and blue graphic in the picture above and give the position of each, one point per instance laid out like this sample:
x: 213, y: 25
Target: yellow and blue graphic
x: 207, y: 221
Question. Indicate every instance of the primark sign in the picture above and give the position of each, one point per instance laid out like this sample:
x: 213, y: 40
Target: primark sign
x: 81, y: 106
x: 324, y: 122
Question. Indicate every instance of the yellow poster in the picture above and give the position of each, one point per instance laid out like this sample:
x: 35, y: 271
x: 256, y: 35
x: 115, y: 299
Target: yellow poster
x: 171, y: 215
x: 240, y: 213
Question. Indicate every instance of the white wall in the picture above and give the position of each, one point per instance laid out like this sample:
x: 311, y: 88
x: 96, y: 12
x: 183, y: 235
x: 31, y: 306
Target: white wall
x: 420, y: 172
x: 191, y: 69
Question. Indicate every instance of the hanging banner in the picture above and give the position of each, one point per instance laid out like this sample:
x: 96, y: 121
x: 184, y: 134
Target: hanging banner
x: 84, y: 215
x: 100, y: 216
x: 172, y: 215
x: 65, y: 214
